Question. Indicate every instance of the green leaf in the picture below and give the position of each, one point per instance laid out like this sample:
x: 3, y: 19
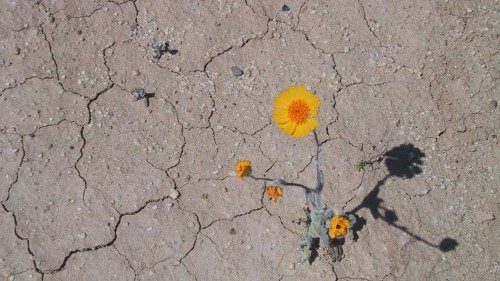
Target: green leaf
x: 337, y: 253
x: 315, y: 230
x: 352, y: 219
x: 324, y: 239
x: 306, y: 254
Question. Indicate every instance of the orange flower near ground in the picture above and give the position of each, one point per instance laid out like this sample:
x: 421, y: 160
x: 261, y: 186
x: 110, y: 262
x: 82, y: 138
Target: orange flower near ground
x: 338, y: 226
x: 243, y: 168
x: 274, y: 192
x: 294, y: 111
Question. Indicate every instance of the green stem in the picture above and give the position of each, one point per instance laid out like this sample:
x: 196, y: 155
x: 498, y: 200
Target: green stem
x: 314, y: 197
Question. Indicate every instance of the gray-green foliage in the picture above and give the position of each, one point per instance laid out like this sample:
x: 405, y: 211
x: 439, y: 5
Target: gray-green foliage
x: 318, y: 223
x: 317, y: 228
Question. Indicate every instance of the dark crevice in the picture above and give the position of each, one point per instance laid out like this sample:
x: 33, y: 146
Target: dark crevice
x: 366, y: 20
x: 30, y: 251
x: 112, y: 241
x: 233, y: 217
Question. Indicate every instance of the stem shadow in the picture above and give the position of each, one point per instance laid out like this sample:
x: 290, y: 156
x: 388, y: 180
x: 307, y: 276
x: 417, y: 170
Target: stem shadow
x: 403, y: 161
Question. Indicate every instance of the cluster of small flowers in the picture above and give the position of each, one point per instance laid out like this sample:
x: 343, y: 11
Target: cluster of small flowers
x: 244, y: 168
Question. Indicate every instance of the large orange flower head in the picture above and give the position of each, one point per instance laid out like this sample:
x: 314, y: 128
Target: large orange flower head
x: 295, y: 110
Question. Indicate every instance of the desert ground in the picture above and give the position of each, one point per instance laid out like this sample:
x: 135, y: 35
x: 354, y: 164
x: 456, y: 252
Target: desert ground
x: 121, y: 123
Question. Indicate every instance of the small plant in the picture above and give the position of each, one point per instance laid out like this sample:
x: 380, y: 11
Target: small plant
x: 295, y: 111
x: 161, y: 47
x: 140, y: 93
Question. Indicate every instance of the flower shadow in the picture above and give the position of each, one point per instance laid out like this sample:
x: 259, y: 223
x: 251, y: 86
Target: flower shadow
x: 403, y: 161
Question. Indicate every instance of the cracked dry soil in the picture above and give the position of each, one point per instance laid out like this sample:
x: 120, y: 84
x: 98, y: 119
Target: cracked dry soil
x: 86, y: 172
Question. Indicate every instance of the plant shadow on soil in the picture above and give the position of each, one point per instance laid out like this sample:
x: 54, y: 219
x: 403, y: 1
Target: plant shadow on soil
x: 403, y: 161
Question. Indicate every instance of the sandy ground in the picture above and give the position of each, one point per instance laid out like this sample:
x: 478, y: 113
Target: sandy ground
x: 89, y: 176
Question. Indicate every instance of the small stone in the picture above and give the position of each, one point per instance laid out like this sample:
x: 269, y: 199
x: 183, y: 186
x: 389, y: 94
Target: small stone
x: 249, y: 247
x: 17, y: 51
x: 460, y: 127
x: 136, y: 72
x: 232, y: 231
x: 493, y: 104
x: 174, y: 193
x: 291, y: 266
x: 169, y: 205
x: 236, y: 71
x: 51, y: 18
x: 285, y: 8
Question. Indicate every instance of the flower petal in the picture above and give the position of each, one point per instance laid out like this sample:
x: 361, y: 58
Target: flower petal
x: 280, y: 116
x: 306, y: 128
x: 288, y: 127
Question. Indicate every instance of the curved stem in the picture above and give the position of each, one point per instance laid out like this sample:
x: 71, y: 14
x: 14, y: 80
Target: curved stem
x: 282, y: 182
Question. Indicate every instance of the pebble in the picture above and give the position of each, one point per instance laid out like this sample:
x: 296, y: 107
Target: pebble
x: 249, y: 247
x: 232, y: 231
x: 51, y: 18
x: 291, y: 266
x: 493, y: 104
x: 136, y: 72
x: 174, y: 193
x: 285, y: 8
x: 236, y: 71
x: 460, y: 127
x: 17, y: 51
x: 169, y: 205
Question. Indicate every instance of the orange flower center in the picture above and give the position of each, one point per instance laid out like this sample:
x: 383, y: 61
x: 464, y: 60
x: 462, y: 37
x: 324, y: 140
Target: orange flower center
x: 299, y: 111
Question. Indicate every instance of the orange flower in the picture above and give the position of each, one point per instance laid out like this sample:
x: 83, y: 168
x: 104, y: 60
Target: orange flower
x: 274, y: 192
x: 295, y: 110
x: 243, y: 168
x: 338, y: 226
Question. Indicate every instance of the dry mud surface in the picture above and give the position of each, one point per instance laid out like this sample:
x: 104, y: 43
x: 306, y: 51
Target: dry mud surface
x: 89, y: 176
